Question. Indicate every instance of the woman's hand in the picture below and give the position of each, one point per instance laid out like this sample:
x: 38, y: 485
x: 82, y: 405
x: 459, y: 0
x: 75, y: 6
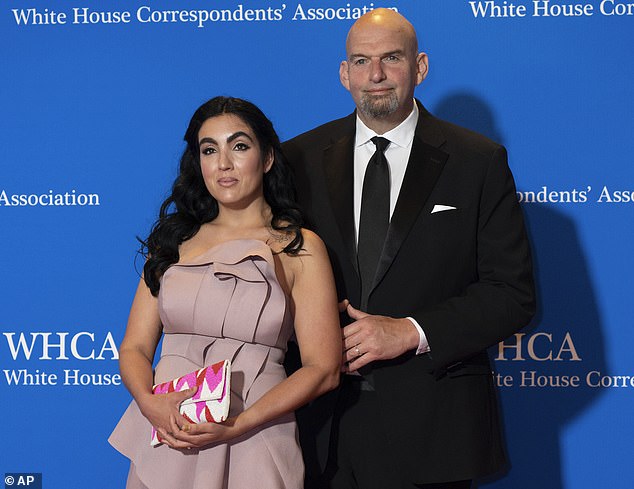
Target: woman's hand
x: 199, y: 435
x: 162, y: 411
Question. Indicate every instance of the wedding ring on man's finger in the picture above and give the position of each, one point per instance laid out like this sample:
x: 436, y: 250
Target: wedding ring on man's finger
x: 357, y: 351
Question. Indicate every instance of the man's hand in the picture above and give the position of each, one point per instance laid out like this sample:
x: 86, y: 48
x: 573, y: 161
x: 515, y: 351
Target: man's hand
x: 372, y: 338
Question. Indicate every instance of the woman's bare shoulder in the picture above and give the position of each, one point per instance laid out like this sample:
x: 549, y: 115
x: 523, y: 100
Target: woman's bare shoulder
x: 312, y: 242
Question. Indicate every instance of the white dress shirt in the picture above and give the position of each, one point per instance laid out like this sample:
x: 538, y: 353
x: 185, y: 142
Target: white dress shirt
x: 397, y: 156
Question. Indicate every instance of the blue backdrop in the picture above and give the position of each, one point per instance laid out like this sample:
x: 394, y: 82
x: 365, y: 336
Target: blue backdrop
x: 95, y: 98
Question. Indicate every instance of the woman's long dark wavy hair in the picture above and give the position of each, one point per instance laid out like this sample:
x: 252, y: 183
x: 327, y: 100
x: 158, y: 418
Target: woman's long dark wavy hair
x: 190, y: 204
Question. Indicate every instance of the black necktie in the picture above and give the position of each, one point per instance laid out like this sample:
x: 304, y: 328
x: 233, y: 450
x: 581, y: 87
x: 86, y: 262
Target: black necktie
x: 375, y: 216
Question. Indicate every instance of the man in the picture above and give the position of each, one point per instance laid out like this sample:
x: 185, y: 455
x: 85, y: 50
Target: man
x: 432, y: 265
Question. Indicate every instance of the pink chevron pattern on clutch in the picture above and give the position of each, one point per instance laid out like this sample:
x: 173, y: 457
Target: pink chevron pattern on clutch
x: 211, y: 401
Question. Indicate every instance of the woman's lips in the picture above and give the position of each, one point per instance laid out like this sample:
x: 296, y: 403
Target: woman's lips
x: 226, y: 181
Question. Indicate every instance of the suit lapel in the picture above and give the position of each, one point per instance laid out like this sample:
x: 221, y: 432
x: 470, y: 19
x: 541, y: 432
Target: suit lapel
x: 425, y: 165
x: 338, y: 168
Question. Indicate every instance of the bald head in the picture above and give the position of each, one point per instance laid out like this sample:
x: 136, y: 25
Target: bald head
x: 386, y: 19
x: 382, y: 68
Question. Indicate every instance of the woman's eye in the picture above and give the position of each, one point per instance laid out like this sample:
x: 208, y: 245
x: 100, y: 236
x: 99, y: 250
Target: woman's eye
x: 241, y: 147
x: 208, y: 150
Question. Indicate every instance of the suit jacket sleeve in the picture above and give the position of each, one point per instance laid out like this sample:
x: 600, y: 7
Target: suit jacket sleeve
x: 501, y: 301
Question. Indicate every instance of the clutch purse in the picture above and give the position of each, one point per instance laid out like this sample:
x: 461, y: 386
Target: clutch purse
x: 211, y: 401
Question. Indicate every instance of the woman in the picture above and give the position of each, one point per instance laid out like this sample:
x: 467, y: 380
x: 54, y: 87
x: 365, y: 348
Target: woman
x: 230, y: 274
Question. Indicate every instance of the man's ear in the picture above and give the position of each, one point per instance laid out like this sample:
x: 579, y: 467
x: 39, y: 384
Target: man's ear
x: 422, y: 67
x: 343, y: 75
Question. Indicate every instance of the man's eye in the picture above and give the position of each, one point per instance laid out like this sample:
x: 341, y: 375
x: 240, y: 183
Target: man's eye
x: 360, y: 61
x: 391, y: 59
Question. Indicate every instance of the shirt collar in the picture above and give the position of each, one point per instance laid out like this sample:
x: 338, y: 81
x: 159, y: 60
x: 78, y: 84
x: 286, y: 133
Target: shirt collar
x: 402, y: 135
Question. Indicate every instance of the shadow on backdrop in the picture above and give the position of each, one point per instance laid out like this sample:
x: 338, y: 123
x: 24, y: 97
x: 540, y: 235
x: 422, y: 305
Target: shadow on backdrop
x: 534, y: 417
x: 469, y: 111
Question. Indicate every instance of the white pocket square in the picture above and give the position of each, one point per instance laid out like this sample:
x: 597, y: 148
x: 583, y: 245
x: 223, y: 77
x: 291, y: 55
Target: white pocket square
x: 440, y: 208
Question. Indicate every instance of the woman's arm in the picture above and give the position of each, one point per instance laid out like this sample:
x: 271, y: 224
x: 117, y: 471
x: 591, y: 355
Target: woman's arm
x: 135, y: 362
x: 319, y: 339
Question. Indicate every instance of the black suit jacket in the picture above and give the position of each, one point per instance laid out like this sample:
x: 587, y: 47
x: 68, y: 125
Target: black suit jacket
x: 464, y: 274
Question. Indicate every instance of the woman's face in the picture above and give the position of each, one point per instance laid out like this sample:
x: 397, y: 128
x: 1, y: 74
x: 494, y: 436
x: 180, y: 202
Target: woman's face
x: 231, y: 161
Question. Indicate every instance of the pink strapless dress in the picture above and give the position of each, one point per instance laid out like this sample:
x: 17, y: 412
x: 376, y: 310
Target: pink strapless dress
x: 224, y: 304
